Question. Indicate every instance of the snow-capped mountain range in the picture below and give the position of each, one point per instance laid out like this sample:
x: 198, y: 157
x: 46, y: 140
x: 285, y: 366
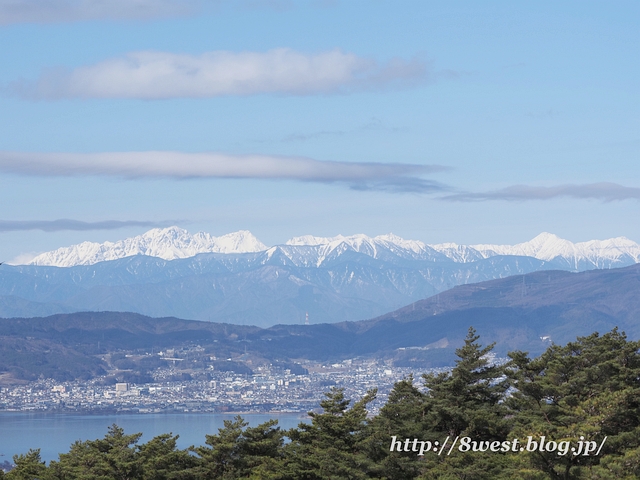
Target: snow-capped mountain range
x: 175, y: 243
x: 236, y: 278
x: 166, y: 243
x: 546, y: 246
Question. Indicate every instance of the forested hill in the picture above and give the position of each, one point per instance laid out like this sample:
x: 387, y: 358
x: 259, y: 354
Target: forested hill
x: 517, y: 311
x: 479, y: 421
x: 524, y: 312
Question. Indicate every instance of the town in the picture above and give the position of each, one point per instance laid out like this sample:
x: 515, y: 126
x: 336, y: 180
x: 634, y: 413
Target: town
x: 266, y: 390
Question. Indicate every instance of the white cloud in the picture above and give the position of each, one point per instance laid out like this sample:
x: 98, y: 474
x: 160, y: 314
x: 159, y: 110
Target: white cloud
x: 395, y: 177
x: 23, y: 258
x: 605, y: 191
x: 62, y: 11
x: 278, y: 5
x: 76, y: 225
x: 160, y: 75
x: 55, y: 11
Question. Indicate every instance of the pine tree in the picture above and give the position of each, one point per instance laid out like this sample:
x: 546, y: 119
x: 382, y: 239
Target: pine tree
x: 332, y: 446
x: 160, y: 459
x: 468, y: 400
x: 237, y: 450
x: 28, y: 466
x: 111, y: 458
x: 588, y: 388
x: 403, y: 416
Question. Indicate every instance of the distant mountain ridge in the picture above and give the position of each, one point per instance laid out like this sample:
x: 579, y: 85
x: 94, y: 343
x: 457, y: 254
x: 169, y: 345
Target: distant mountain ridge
x: 240, y: 280
x: 174, y: 243
x: 166, y: 243
x: 546, y: 246
x: 526, y: 312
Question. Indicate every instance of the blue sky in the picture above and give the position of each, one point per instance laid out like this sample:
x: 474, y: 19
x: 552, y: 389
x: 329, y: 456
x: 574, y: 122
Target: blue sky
x: 470, y: 122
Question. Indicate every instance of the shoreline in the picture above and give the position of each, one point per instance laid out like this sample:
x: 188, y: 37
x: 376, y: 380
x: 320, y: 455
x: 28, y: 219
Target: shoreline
x: 90, y: 413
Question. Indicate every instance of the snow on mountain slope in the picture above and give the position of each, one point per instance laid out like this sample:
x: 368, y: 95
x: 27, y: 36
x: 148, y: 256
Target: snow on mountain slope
x: 546, y: 246
x: 308, y: 251
x: 459, y: 253
x: 167, y: 243
x: 415, y: 246
x: 310, y: 240
x: 331, y: 247
x: 358, y: 242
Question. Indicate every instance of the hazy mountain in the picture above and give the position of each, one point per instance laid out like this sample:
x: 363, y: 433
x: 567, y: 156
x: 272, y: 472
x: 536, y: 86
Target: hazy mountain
x: 275, y: 286
x: 526, y: 312
x: 614, y: 252
x: 174, y: 243
x: 244, y: 282
x: 167, y: 243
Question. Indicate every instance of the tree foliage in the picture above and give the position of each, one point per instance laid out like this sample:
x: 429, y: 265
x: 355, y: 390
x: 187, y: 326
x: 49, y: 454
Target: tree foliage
x: 236, y: 451
x: 587, y: 390
x: 332, y: 446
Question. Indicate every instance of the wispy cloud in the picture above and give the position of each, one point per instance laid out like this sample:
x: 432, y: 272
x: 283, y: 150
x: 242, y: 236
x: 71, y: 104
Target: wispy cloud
x: 400, y: 185
x: 278, y: 5
x: 604, y: 191
x: 549, y: 113
x: 66, y: 11
x: 374, y: 125
x: 77, y: 225
x: 162, y: 75
x: 394, y: 177
x: 56, y: 11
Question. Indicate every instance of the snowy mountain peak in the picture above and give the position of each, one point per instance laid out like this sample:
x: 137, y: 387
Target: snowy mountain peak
x: 174, y: 242
x: 413, y: 245
x: 358, y: 241
x: 312, y: 241
x: 166, y: 243
x: 547, y: 247
x: 546, y: 237
x: 242, y: 241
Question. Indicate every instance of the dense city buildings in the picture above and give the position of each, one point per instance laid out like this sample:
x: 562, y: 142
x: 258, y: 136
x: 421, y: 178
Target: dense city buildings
x: 267, y: 389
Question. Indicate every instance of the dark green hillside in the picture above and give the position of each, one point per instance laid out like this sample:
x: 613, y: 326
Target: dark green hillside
x: 612, y: 292
x: 29, y: 358
x: 516, y: 311
x: 68, y: 346
x: 527, y: 312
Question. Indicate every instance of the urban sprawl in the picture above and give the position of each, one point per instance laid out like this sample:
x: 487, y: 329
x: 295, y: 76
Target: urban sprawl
x: 268, y: 389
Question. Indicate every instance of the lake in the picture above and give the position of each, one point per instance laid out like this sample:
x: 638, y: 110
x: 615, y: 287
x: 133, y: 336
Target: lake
x: 54, y: 433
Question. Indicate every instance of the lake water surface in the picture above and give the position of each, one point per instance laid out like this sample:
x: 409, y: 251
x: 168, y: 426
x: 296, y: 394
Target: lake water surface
x: 54, y: 433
